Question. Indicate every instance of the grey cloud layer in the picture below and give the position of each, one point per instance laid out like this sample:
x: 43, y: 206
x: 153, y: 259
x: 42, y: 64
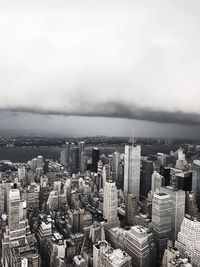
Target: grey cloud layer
x: 120, y: 110
x: 136, y: 59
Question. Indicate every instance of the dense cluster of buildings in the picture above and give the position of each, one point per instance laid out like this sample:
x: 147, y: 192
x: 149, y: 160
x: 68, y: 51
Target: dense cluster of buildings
x: 116, y: 210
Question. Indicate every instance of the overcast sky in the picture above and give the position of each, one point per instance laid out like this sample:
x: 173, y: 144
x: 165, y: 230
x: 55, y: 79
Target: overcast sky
x: 119, y: 59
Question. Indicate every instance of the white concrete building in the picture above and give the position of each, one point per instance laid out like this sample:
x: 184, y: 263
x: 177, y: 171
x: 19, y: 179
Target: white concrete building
x: 110, y: 203
x: 188, y: 241
x: 105, y: 256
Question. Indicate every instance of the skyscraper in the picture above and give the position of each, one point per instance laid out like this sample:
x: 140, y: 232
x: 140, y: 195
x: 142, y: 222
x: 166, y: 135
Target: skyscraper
x: 82, y: 163
x: 75, y: 159
x: 184, y: 181
x: 145, y: 177
x: 162, y: 158
x: 14, y: 209
x: 95, y: 158
x: 196, y: 181
x: 67, y: 152
x: 34, y: 164
x: 132, y: 170
x: 105, y: 174
x: 115, y: 165
x: 81, y: 146
x: 110, y: 203
x: 161, y: 221
x: 63, y: 157
x: 166, y: 173
x: 2, y: 201
x: 40, y: 161
x: 157, y: 181
x: 181, y: 163
x: 18, y: 228
x: 71, y: 147
x: 131, y: 208
x: 191, y: 205
x: 177, y: 198
x: 21, y: 173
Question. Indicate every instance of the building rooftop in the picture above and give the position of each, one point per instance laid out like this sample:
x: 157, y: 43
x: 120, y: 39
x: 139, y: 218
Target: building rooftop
x: 117, y: 257
x: 160, y: 195
x: 14, y: 194
x: 139, y: 229
x: 79, y: 259
x: 197, y: 162
x: 141, y: 233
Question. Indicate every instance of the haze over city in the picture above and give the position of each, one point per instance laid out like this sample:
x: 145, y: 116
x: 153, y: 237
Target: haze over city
x: 100, y: 59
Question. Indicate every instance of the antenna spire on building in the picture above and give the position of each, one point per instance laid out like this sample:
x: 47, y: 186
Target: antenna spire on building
x: 132, y: 137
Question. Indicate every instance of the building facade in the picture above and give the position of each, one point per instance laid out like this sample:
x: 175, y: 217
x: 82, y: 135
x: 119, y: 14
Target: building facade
x: 188, y: 241
x: 132, y: 170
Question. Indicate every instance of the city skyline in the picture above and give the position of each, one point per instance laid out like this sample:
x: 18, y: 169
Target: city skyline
x: 99, y: 133
x: 94, y: 207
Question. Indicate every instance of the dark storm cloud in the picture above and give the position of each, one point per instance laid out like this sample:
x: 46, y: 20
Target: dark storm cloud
x: 119, y: 110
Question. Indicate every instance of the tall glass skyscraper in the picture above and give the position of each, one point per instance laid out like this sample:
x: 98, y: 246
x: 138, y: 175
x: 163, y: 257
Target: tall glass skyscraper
x: 95, y: 158
x: 132, y: 170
